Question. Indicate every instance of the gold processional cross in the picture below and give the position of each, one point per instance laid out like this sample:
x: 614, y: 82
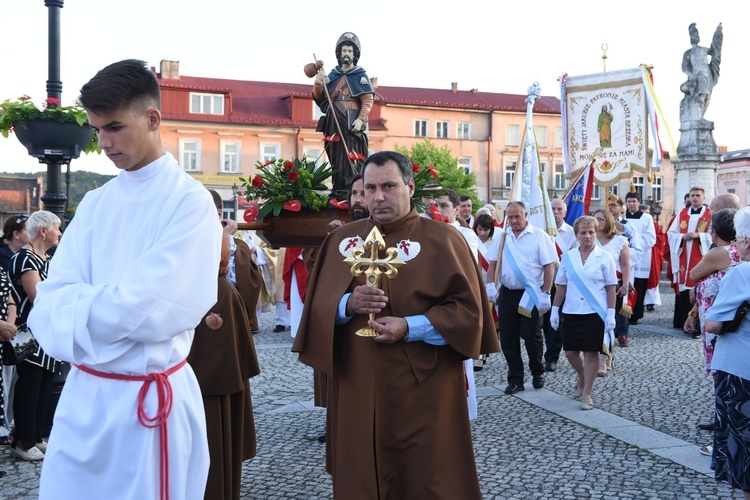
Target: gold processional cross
x: 374, y: 267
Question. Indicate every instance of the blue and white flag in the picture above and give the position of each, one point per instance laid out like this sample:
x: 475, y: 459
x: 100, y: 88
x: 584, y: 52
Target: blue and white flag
x: 578, y: 198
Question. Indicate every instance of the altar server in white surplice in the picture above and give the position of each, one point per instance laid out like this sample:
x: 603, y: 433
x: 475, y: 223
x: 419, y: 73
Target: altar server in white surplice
x: 449, y: 205
x: 134, y: 274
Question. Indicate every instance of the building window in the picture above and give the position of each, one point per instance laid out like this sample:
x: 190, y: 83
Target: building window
x: 615, y: 189
x: 463, y: 130
x: 269, y: 151
x: 208, y: 104
x: 558, y: 138
x: 511, y: 135
x: 657, y: 189
x: 510, y: 172
x: 441, y: 130
x: 732, y: 190
x: 639, y: 182
x: 230, y: 157
x: 314, y: 154
x: 190, y: 154
x: 597, y: 193
x: 317, y: 113
x: 420, y: 128
x: 541, y: 136
x: 559, y: 176
x: 465, y: 164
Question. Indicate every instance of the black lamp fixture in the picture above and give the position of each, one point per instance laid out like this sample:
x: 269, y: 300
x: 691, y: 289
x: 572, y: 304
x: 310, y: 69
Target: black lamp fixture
x: 654, y: 207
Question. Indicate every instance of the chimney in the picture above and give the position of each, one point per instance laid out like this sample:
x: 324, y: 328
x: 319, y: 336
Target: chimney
x: 454, y: 87
x: 170, y: 70
x: 374, y: 81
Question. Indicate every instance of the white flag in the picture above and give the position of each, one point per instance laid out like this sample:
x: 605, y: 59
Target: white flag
x: 528, y: 185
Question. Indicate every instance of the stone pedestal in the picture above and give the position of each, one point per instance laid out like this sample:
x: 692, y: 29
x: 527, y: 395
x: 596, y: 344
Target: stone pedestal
x: 697, y: 160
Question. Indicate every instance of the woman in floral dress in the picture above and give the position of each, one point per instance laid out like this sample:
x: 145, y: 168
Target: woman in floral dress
x: 707, y: 274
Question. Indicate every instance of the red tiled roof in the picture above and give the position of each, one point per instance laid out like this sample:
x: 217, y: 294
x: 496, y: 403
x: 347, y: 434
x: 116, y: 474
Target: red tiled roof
x: 466, y: 99
x: 268, y: 103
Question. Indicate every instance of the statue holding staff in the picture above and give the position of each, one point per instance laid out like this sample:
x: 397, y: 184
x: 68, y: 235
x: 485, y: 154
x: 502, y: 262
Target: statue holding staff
x: 345, y: 96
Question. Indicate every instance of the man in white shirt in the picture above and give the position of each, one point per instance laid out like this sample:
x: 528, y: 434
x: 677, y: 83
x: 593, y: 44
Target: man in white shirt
x: 449, y: 206
x: 647, y: 239
x: 134, y: 274
x: 564, y: 241
x: 526, y: 272
x: 465, y: 209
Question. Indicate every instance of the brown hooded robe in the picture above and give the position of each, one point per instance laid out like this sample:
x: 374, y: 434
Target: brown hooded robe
x: 398, y: 420
x: 223, y: 361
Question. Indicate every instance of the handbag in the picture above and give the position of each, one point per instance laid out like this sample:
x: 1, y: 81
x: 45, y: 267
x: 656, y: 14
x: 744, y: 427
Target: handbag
x: 20, y: 347
x: 734, y: 324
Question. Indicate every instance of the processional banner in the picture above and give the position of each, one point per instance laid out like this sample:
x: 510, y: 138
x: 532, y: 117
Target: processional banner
x: 606, y: 110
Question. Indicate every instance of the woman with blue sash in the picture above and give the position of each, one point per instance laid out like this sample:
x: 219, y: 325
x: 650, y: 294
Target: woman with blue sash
x: 586, y: 284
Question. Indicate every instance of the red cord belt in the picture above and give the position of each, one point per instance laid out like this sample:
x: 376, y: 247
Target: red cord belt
x: 164, y: 393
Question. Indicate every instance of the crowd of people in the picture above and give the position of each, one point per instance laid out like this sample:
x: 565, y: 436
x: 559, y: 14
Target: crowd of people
x: 169, y: 352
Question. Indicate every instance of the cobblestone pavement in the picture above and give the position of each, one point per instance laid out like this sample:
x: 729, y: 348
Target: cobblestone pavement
x: 640, y: 442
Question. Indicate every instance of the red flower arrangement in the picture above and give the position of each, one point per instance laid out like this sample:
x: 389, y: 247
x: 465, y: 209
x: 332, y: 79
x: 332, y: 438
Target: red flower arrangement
x: 287, y: 185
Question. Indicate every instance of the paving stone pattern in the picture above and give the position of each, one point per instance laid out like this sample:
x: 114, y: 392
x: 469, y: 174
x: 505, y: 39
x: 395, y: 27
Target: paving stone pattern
x: 641, y: 441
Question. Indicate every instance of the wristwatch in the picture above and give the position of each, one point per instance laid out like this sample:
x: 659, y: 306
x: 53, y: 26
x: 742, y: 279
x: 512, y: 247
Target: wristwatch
x: 546, y: 293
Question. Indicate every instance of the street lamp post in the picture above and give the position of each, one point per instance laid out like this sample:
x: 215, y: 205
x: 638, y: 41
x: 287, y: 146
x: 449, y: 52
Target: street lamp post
x: 54, y: 199
x: 235, y: 189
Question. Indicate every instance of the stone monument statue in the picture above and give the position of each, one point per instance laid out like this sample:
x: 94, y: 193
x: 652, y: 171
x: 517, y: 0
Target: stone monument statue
x: 702, y: 74
x: 697, y: 155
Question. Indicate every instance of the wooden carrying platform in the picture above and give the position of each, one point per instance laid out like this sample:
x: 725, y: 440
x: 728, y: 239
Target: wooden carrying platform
x: 303, y: 229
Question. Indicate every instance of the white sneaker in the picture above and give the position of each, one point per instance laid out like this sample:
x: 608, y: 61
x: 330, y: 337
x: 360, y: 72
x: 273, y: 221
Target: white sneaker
x: 42, y: 446
x: 32, y: 454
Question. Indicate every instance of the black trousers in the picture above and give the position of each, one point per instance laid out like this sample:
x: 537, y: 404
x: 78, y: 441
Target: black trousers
x: 30, y: 402
x: 553, y: 341
x: 640, y: 285
x: 682, y: 307
x: 514, y: 327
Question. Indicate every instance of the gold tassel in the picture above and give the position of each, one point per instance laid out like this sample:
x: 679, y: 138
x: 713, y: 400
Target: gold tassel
x: 626, y: 310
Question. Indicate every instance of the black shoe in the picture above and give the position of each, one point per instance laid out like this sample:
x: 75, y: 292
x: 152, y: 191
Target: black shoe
x: 538, y: 381
x: 2, y: 473
x: 513, y: 388
x: 279, y: 328
x: 707, y: 427
x: 256, y: 332
x: 550, y: 366
x: 632, y: 321
x: 322, y: 438
x: 650, y: 308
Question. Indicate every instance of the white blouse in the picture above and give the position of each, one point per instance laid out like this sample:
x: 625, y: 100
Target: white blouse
x: 599, y: 269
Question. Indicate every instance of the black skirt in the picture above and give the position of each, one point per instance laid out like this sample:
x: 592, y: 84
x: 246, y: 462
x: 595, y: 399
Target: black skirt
x: 582, y: 332
x: 731, y: 457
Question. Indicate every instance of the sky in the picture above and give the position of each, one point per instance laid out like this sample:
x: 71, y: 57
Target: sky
x: 489, y: 45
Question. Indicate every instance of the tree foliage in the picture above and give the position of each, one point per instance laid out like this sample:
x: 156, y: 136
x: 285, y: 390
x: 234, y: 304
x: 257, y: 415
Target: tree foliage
x: 81, y: 182
x: 451, y: 176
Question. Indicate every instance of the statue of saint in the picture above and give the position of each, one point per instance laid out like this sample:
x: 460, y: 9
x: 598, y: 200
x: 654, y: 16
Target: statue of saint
x: 345, y: 96
x: 604, y: 127
x: 702, y: 74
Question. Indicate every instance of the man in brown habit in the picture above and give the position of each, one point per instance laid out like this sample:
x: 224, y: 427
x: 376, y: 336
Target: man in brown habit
x: 397, y: 421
